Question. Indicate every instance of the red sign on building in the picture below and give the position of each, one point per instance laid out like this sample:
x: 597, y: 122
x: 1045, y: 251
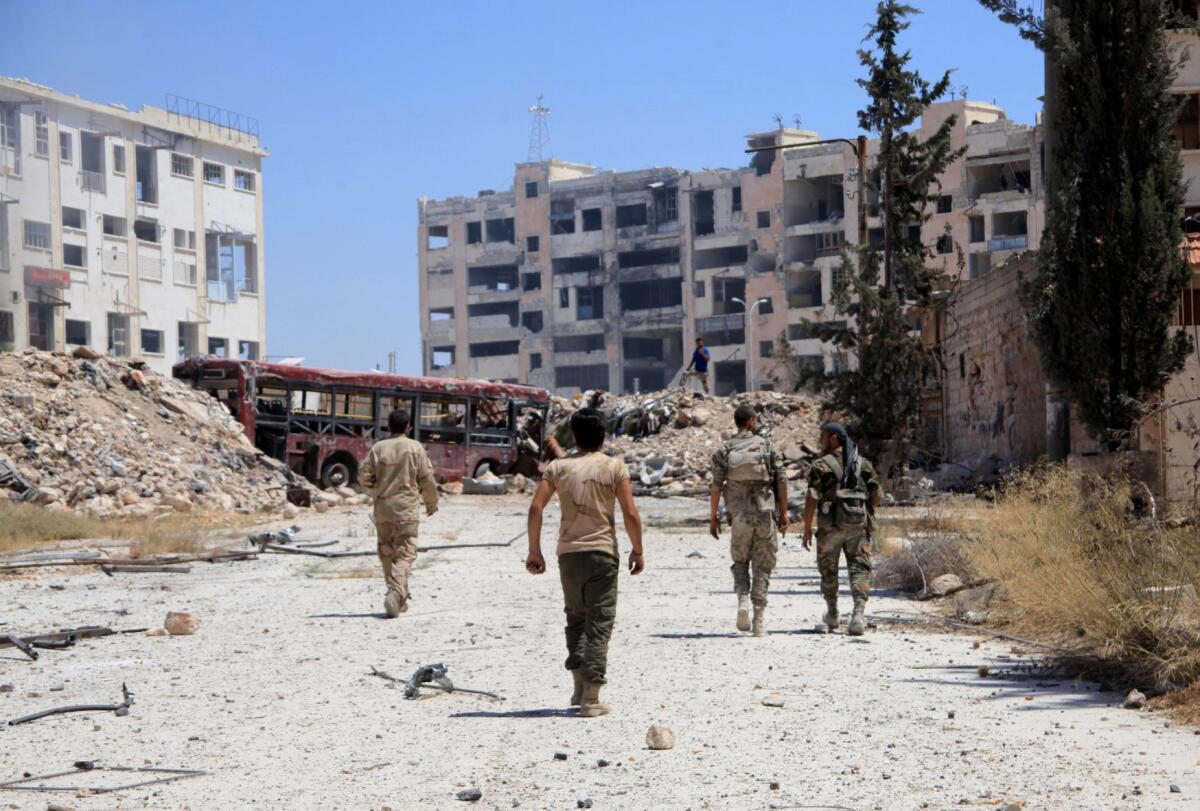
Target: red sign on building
x: 47, y: 277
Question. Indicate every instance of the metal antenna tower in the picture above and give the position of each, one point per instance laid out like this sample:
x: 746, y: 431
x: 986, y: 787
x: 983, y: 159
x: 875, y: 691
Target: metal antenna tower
x: 539, y: 134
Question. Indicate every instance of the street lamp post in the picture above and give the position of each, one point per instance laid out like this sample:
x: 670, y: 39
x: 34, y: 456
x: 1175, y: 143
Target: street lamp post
x: 747, y: 333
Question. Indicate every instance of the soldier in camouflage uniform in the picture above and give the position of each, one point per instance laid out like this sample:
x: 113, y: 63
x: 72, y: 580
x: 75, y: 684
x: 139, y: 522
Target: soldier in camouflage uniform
x: 749, y: 474
x: 843, y: 492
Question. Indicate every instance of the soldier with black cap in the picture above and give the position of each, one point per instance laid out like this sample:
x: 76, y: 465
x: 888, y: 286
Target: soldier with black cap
x: 843, y: 492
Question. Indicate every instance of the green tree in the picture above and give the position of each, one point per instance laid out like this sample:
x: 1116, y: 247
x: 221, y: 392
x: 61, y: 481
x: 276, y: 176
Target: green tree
x: 1110, y: 269
x: 880, y: 393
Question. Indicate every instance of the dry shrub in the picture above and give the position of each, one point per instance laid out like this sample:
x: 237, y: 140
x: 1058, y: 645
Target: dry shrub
x: 24, y: 525
x: 1079, y: 572
x: 920, y: 548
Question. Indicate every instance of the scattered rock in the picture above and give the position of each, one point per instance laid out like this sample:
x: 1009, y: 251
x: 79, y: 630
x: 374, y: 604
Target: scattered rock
x: 660, y: 737
x: 1176, y: 789
x: 773, y: 700
x: 601, y: 763
x: 945, y: 584
x: 586, y: 802
x: 290, y: 511
x: 158, y: 632
x: 560, y: 755
x: 180, y: 623
x: 6, y: 688
x: 983, y: 671
x: 451, y: 488
x: 469, y: 795
x: 1135, y: 700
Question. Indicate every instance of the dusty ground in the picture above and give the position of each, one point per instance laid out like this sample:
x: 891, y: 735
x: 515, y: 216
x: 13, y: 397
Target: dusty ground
x: 273, y: 695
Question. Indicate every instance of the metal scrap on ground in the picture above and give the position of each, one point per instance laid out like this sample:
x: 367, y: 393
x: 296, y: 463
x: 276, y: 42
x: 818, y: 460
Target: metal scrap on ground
x: 433, y: 676
x: 121, y: 709
x: 81, y: 766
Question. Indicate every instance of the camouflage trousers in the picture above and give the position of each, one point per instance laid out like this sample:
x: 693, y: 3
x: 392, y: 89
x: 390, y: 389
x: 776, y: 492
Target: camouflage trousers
x: 753, y: 548
x: 854, y: 543
x: 397, y: 549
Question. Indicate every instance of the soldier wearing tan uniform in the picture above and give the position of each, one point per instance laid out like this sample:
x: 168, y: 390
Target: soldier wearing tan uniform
x: 588, y: 485
x: 749, y: 474
x: 398, y: 474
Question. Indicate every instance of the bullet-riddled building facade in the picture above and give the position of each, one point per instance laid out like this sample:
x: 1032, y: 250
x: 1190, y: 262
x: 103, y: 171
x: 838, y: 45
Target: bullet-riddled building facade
x: 576, y: 279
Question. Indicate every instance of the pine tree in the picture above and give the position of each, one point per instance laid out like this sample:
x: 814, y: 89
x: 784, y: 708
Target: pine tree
x: 880, y: 392
x: 1110, y: 269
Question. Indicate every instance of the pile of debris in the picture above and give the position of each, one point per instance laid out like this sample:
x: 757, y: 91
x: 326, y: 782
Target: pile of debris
x: 106, y: 437
x: 668, y: 438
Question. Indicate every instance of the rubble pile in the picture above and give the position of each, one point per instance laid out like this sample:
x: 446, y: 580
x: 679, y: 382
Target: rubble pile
x: 668, y: 438
x: 102, y: 436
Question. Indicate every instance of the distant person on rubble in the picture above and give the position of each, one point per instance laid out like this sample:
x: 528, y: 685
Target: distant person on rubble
x: 748, y: 472
x: 700, y: 359
x: 589, y: 484
x: 398, y: 474
x: 843, y: 492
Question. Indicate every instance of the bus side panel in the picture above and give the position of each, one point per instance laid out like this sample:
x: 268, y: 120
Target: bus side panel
x: 448, y: 458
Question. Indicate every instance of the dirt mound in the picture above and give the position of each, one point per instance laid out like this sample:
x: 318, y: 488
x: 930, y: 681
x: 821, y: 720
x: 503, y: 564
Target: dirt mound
x: 667, y: 438
x: 103, y: 436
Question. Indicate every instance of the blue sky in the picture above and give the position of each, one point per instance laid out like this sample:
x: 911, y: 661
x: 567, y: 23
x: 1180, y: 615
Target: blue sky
x: 367, y: 106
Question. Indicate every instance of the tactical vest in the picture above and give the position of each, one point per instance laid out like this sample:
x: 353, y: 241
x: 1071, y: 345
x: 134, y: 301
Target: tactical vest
x: 749, y: 459
x: 842, y: 507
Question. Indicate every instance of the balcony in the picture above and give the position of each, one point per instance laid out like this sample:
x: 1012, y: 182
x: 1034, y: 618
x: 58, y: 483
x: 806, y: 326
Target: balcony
x: 1013, y: 243
x: 93, y: 181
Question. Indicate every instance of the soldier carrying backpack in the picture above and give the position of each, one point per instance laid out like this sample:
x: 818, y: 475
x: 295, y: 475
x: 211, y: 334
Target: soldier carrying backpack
x: 843, y: 492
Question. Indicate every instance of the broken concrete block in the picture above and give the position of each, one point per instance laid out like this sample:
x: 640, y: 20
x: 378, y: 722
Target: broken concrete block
x: 946, y: 584
x: 180, y: 623
x: 660, y: 737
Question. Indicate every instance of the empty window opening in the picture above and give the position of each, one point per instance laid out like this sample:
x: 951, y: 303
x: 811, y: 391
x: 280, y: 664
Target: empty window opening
x: 564, y: 297
x: 72, y: 218
x: 813, y: 199
x: 214, y: 173
x: 493, y: 277
x: 962, y: 365
x: 501, y: 230
x: 188, y: 337
x: 735, y: 199
x: 945, y: 244
x: 766, y: 349
x: 8, y: 334
x: 724, y: 337
x: 704, y: 219
x: 182, y: 165
x: 531, y: 188
x: 945, y: 204
x: 437, y: 237
x: 492, y: 349
x: 535, y: 361
x: 725, y: 289
x: 498, y: 313
x: 185, y: 240
x: 766, y: 306
x: 562, y: 216
x: 218, y: 347
x: 442, y: 357
x: 146, y: 230
x: 589, y: 303
x: 532, y: 321
x: 976, y: 226
x: 41, y: 325
x: 646, y: 258
x: 763, y: 219
x: 800, y: 332
x: 642, y: 349
x: 978, y: 264
x: 118, y: 159
x: 147, y: 175
x: 248, y: 350
x: 152, y: 342
x: 474, y: 233
x: 731, y: 256
x: 594, y: 376
x: 653, y: 294
x: 584, y: 263
x: 631, y: 216
x: 579, y: 343
x: 1009, y: 224
x: 91, y: 161
x: 243, y: 180
x: 73, y: 256
x: 531, y: 281
x: 993, y: 178
x: 762, y: 262
x: 114, y: 226
x: 66, y: 147
x: 804, y: 289
x: 698, y: 289
x: 231, y: 266
x: 592, y: 219
x: 118, y: 334
x: 666, y: 204
x: 441, y: 314
x: 532, y: 243
x: 79, y: 333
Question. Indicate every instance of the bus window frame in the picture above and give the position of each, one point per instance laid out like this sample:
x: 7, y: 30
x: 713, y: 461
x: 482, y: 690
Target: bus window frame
x: 487, y: 437
x: 461, y: 432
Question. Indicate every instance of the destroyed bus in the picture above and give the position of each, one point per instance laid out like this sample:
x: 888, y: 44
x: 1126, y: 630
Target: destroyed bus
x: 321, y: 422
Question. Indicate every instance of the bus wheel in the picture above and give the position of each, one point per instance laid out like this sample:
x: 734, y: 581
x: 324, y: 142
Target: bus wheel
x: 486, y: 466
x: 337, y: 472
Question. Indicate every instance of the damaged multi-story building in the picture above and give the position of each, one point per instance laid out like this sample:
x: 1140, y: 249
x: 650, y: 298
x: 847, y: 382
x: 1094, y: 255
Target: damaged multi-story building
x: 576, y: 279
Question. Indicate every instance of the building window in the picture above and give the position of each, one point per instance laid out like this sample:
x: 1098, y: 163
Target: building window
x: 837, y: 277
x: 114, y: 226
x: 118, y: 335
x: 501, y: 229
x: 531, y: 281
x: 72, y: 218
x: 182, y: 165
x: 564, y: 297
x: 592, y: 220
x: 562, y: 216
x: 666, y: 204
x: 767, y: 307
x: 218, y: 347
x: 214, y: 173
x: 531, y: 244
x: 764, y: 219
x: 10, y: 137
x: 474, y: 233
x: 146, y: 168
x: 248, y: 350
x: 79, y: 333
x: 3, y: 238
x: 589, y: 303
x: 37, y: 235
x: 41, y: 135
x: 976, y: 225
x: 66, y: 147
x: 243, y: 180
x: 188, y: 340
x: 531, y: 188
x: 118, y: 159
x: 231, y: 266
x: 735, y: 202
x: 8, y: 334
x: 698, y: 289
x: 73, y: 256
x: 535, y: 361
x: 1187, y: 125
x: 185, y: 240
x: 146, y: 230
x: 152, y: 342
x: 945, y: 244
x: 631, y: 216
x: 766, y: 349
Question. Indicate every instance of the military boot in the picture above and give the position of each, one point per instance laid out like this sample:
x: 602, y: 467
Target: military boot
x: 858, y: 622
x: 577, y: 696
x: 590, y: 706
x: 394, y: 605
x: 829, y: 622
x: 760, y: 612
x: 743, y: 615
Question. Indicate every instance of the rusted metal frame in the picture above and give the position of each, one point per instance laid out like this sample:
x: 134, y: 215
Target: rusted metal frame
x: 171, y: 774
x: 21, y: 645
x: 121, y: 709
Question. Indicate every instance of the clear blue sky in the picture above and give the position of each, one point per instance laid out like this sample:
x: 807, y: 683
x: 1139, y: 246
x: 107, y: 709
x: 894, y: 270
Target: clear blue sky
x: 366, y: 106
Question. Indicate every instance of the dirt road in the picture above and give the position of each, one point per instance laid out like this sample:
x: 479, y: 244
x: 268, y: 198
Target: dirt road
x: 273, y: 697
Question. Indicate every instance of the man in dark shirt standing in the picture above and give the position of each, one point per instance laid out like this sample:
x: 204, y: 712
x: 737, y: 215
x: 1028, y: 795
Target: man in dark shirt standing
x: 700, y: 360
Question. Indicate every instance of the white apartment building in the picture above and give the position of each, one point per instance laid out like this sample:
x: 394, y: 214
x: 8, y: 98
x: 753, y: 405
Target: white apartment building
x: 138, y: 234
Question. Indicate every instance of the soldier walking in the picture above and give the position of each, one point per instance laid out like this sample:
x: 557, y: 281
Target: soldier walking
x: 398, y: 474
x: 749, y: 473
x: 843, y: 492
x: 588, y: 484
